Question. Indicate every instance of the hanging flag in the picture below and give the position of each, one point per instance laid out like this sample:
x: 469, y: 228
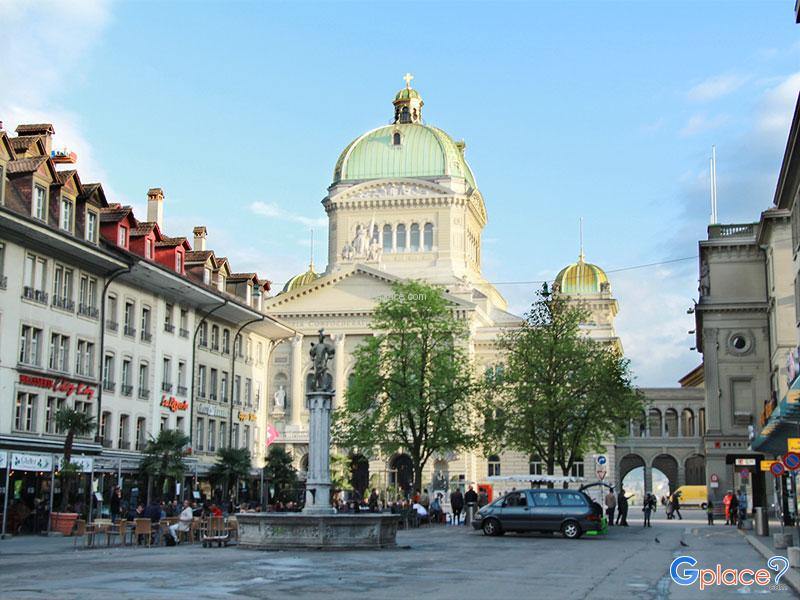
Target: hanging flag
x: 272, y: 434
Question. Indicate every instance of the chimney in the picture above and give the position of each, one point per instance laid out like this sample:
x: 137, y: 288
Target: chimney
x: 44, y: 130
x: 155, y: 206
x: 199, y: 237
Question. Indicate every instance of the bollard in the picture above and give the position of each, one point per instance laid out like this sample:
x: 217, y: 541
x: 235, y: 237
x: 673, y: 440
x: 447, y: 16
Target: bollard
x: 782, y: 541
x: 794, y: 556
x: 470, y: 512
x: 761, y: 521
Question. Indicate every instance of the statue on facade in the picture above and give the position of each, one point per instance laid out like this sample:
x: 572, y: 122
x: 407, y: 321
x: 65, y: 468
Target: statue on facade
x: 360, y: 242
x: 347, y: 251
x: 280, y: 398
x: 321, y: 353
x: 375, y: 251
x: 705, y: 284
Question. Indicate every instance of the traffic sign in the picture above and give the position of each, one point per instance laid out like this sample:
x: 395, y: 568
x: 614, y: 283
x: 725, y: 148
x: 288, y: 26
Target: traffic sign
x: 777, y: 469
x: 791, y: 460
x: 601, y: 473
x: 601, y: 459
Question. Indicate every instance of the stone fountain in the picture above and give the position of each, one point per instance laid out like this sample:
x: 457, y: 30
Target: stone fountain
x: 318, y: 526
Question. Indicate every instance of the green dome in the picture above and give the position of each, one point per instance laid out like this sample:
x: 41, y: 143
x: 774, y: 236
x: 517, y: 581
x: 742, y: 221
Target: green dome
x: 581, y: 278
x: 407, y: 94
x: 300, y: 280
x: 424, y: 151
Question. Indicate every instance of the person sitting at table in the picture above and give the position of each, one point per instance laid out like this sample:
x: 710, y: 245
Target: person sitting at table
x: 153, y: 511
x: 184, y: 521
x: 138, y: 513
x: 216, y: 511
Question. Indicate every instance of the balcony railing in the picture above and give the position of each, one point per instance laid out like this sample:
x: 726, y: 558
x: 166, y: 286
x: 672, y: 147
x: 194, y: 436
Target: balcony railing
x: 169, y: 327
x: 109, y: 386
x: 182, y: 390
x: 166, y: 387
x: 112, y: 325
x: 146, y: 336
x: 87, y: 310
x: 183, y: 332
x: 144, y: 394
x: 129, y: 331
x: 126, y: 390
x: 63, y: 303
x: 124, y: 445
x: 731, y: 230
x: 35, y: 295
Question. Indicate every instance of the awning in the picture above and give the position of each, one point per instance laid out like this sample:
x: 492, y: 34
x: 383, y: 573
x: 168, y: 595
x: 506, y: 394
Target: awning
x: 783, y: 423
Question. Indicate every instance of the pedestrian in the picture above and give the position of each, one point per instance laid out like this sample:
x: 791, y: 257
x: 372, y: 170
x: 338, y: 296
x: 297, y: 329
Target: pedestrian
x: 611, y: 505
x: 373, y: 501
x: 727, y: 502
x: 710, y: 511
x: 734, y: 509
x: 670, y: 514
x: 742, y: 507
x: 457, y: 505
x: 115, y: 503
x: 676, y: 506
x: 622, y: 507
x: 647, y: 509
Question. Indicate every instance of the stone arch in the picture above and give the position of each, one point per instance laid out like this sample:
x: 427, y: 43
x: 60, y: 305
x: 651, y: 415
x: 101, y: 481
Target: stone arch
x: 671, y: 422
x: 695, y: 467
x: 304, y: 463
x: 687, y: 422
x: 654, y: 423
x: 628, y: 463
x: 668, y: 465
x: 359, y: 474
x: 401, y: 472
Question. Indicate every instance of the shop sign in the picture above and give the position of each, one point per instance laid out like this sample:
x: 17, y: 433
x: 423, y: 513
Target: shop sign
x: 244, y: 416
x: 766, y: 465
x: 3, y: 460
x: 172, y: 403
x: 31, y: 462
x: 793, y: 445
x: 85, y: 463
x: 61, y: 385
x: 745, y: 462
x: 212, y: 411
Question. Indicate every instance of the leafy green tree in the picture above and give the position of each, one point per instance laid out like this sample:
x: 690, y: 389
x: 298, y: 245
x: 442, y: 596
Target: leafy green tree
x: 231, y: 465
x: 75, y: 423
x: 559, y: 394
x: 341, y: 473
x: 280, y: 474
x: 163, y: 462
x: 413, y: 388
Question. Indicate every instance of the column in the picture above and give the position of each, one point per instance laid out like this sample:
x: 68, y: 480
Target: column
x: 341, y: 384
x: 318, y: 483
x: 297, y: 399
x: 648, y: 479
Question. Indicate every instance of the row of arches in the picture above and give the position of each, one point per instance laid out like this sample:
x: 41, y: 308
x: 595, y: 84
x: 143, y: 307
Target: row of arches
x: 633, y: 471
x: 402, y: 238
x: 669, y: 423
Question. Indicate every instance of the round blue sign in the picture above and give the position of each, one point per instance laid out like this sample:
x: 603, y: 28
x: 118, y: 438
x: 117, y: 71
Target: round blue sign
x: 601, y: 460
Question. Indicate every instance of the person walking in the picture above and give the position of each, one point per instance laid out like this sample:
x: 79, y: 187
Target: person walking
x: 457, y: 505
x: 710, y: 511
x: 676, y: 506
x: 611, y: 505
x: 647, y: 509
x: 734, y: 509
x: 622, y: 507
x: 742, y: 507
x: 727, y: 502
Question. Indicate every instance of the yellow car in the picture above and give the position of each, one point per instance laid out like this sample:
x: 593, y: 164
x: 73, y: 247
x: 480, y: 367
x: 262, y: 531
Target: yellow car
x: 693, y: 495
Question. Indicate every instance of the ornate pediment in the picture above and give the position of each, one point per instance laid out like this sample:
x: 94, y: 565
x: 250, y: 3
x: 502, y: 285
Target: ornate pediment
x: 393, y: 189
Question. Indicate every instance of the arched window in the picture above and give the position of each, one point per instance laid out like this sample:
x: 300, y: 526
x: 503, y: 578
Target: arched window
x: 654, y: 423
x: 400, y: 244
x: 687, y: 422
x: 414, y: 245
x: 671, y: 422
x: 494, y: 465
x: 701, y: 421
x: 427, y: 238
x: 387, y: 238
x: 226, y: 341
x: 396, y: 138
x: 376, y: 234
x: 404, y: 117
x: 214, y: 337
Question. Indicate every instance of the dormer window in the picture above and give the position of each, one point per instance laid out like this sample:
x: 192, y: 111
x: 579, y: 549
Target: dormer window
x: 148, y: 248
x: 221, y: 280
x: 39, y: 202
x: 122, y: 237
x: 67, y: 214
x: 207, y: 276
x: 396, y: 138
x: 179, y: 262
x: 91, y: 226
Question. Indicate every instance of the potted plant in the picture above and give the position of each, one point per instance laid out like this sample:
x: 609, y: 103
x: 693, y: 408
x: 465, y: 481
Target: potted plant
x: 75, y: 423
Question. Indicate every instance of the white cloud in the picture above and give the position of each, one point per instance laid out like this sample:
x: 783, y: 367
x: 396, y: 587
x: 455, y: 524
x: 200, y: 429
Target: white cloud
x: 775, y: 111
x: 716, y: 87
x: 273, y: 211
x: 702, y: 122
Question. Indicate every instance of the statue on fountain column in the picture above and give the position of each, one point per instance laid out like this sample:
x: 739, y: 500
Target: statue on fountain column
x: 321, y: 353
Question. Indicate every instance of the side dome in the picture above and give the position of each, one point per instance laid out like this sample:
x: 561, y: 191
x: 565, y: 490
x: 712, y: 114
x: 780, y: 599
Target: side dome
x: 300, y: 280
x: 581, y: 278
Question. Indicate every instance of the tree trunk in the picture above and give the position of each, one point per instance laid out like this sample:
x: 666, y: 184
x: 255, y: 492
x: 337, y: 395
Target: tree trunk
x: 66, y: 482
x: 417, y: 477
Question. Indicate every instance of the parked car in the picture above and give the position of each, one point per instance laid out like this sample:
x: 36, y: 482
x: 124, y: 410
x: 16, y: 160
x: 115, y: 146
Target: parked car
x: 571, y: 512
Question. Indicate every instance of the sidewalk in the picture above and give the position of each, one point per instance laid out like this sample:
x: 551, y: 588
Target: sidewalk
x: 764, y: 545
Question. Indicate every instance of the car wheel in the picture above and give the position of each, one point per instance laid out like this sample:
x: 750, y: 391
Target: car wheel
x: 571, y: 530
x: 492, y: 527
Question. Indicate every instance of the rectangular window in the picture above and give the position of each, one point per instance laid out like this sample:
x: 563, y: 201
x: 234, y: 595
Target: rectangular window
x: 164, y: 422
x: 212, y: 435
x: 129, y: 329
x: 223, y: 441
x: 144, y: 391
x: 123, y: 441
x: 146, y: 335
x: 105, y: 423
x: 62, y: 287
x: 235, y: 432
x: 25, y: 415
x: 246, y: 437
x: 59, y: 352
x: 201, y: 381
x: 122, y: 240
x: 179, y: 424
x: 111, y: 311
x: 141, y: 433
x: 53, y: 406
x: 87, y: 296
x: 108, y: 372
x: 167, y: 374
x: 223, y: 387
x: 30, y: 346
x: 169, y: 326
x: 179, y: 262
x: 248, y: 391
x: 91, y: 226
x: 237, y: 389
x: 212, y: 384
x: 39, y: 202
x: 200, y: 433
x: 67, y: 214
x: 85, y: 363
x: 181, y: 373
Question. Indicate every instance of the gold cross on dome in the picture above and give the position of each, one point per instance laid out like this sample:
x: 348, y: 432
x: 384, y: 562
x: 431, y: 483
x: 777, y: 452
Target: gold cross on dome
x: 407, y: 78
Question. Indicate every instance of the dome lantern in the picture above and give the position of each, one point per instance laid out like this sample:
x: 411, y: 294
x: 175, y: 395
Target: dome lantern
x: 408, y: 103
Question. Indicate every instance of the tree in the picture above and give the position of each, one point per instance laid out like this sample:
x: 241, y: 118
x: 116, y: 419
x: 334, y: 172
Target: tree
x: 341, y: 473
x: 413, y: 385
x: 280, y: 473
x: 232, y: 463
x: 163, y: 461
x: 75, y: 423
x: 559, y: 393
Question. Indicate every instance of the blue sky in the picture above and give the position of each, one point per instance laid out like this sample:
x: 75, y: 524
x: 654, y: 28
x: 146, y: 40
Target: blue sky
x: 605, y: 111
